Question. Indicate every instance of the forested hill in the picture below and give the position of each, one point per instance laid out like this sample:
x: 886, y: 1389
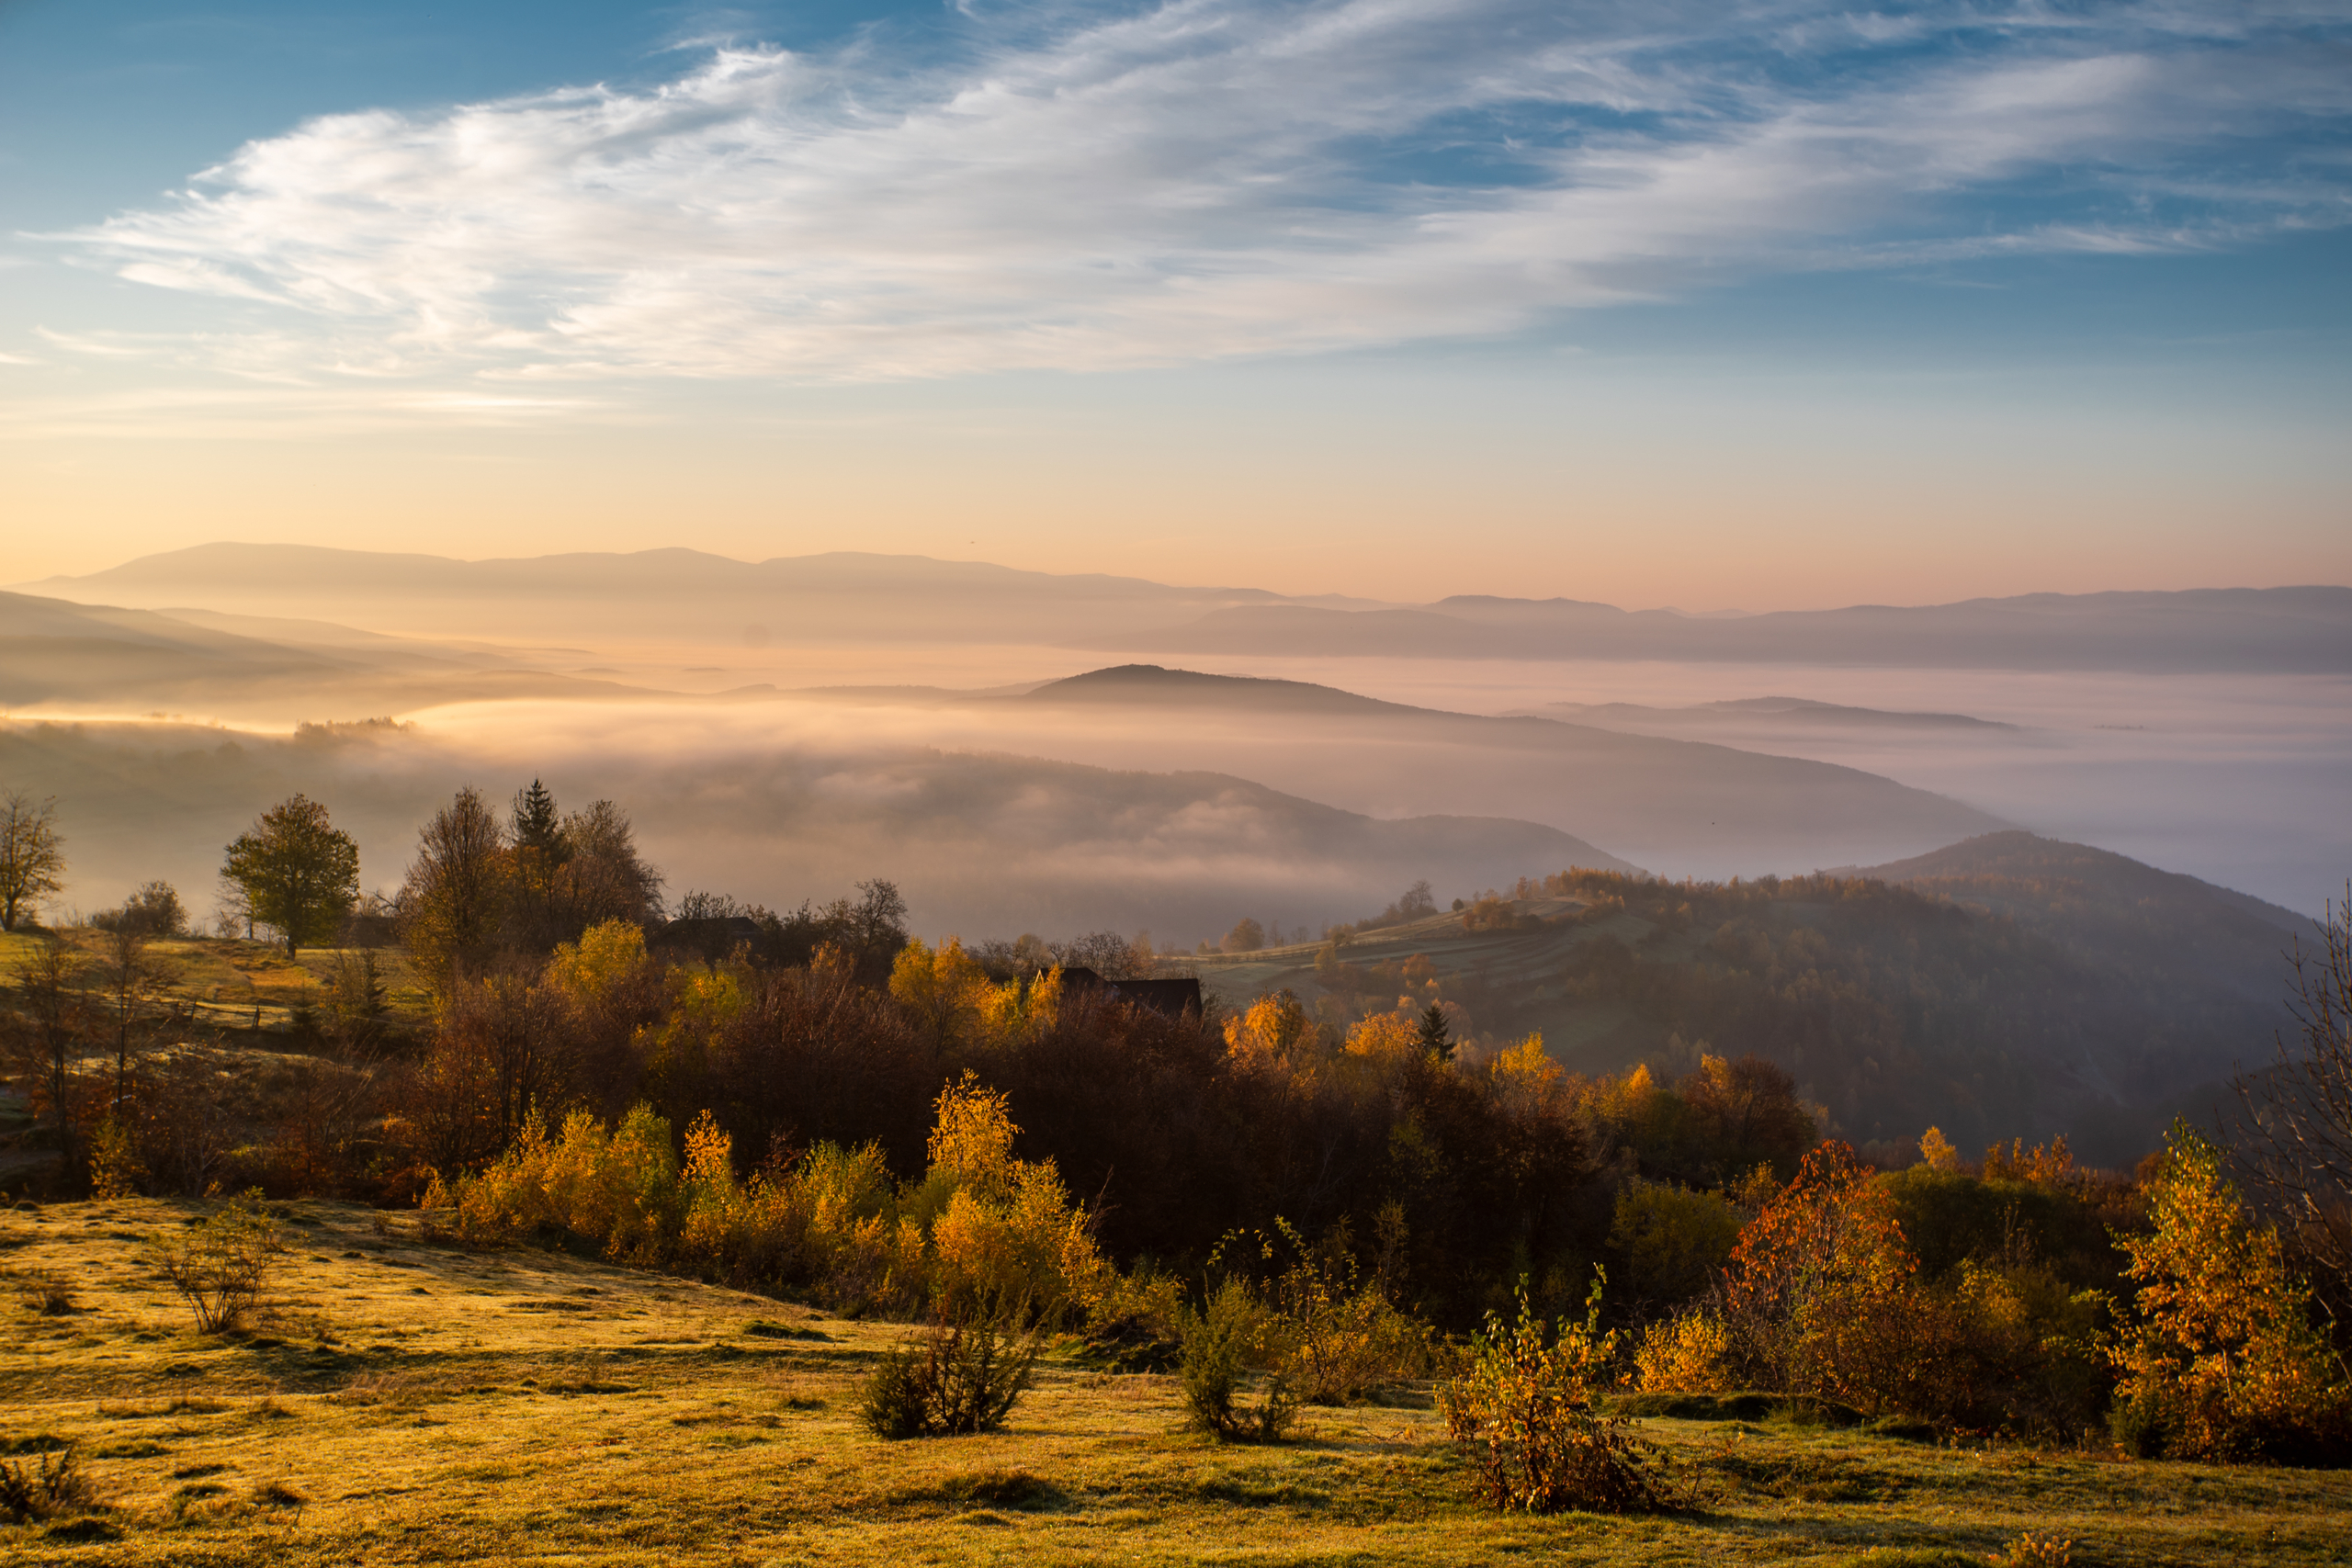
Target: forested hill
x: 2006, y: 986
x: 2146, y: 926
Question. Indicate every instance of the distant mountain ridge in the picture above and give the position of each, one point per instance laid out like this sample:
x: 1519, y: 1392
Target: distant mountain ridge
x: 853, y: 594
x: 2305, y: 630
x: 1802, y: 711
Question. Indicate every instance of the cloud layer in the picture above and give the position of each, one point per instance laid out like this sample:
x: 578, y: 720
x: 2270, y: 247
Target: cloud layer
x: 1211, y: 178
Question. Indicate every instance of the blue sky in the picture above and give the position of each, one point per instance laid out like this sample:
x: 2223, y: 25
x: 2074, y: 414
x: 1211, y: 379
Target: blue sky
x: 2095, y: 254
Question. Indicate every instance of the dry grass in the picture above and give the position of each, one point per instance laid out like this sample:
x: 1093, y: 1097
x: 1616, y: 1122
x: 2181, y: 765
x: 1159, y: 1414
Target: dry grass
x: 412, y: 1404
x: 230, y: 984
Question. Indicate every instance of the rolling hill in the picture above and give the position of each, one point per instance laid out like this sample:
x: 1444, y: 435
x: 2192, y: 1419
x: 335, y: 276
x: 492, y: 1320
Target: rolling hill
x: 1670, y: 803
x: 2005, y: 986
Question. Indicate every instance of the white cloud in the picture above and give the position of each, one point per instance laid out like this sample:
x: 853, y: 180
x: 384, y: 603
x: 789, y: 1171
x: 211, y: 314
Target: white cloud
x: 1204, y: 179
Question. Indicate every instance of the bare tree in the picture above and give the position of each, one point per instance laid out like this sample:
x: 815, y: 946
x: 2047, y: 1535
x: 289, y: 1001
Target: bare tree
x: 604, y: 877
x: 516, y: 1031
x: 32, y: 855
x: 127, y: 978
x: 454, y: 902
x: 2295, y: 1118
x: 49, y: 990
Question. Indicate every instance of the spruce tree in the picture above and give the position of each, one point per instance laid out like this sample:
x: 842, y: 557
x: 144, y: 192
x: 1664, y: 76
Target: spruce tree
x: 1436, y: 1038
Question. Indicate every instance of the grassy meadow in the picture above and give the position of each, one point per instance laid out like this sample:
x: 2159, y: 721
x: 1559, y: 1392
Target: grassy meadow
x: 404, y: 1402
x: 237, y: 985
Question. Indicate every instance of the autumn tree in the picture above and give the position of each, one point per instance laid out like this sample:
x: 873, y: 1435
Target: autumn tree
x: 1818, y: 1294
x: 2226, y: 1360
x: 154, y: 910
x: 1744, y: 1113
x: 299, y: 871
x: 603, y: 878
x: 452, y: 902
x: 50, y: 997
x: 32, y: 855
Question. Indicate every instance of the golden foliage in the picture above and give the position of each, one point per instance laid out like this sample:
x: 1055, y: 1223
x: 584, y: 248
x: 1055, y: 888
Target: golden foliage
x: 2225, y: 1361
x: 1688, y: 1353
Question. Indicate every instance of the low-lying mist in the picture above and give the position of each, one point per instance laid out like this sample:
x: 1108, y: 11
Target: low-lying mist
x: 982, y: 843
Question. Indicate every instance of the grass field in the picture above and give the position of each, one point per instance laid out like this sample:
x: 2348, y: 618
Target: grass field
x: 410, y: 1404
x: 238, y: 985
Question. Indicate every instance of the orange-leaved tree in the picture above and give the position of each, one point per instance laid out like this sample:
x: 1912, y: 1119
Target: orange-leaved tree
x: 1819, y: 1297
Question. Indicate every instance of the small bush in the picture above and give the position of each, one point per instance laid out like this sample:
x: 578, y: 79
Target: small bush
x: 1219, y: 1343
x: 1342, y: 1340
x: 59, y: 1485
x: 960, y: 1376
x: 1523, y: 1411
x: 222, y: 1265
x: 1688, y: 1353
x: 2031, y: 1550
x: 44, y: 1293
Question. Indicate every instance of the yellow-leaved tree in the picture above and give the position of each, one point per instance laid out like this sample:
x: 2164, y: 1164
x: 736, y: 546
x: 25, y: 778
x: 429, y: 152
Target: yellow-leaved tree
x: 948, y: 989
x: 1005, y: 1236
x: 2226, y: 1360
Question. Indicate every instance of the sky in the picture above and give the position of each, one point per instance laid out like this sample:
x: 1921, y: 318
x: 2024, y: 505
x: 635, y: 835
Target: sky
x: 1768, y: 305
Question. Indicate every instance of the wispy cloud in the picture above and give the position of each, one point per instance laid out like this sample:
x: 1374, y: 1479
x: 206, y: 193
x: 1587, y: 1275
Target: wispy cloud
x: 1210, y: 178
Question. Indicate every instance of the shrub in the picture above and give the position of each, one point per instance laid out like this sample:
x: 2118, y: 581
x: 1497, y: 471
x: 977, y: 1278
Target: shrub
x: 957, y: 1377
x: 114, y: 1162
x: 1341, y: 1339
x: 1523, y: 1411
x: 44, y: 1293
x: 223, y: 1264
x: 1688, y: 1353
x: 2225, y: 1361
x: 59, y: 1485
x: 2032, y: 1550
x: 1233, y: 1330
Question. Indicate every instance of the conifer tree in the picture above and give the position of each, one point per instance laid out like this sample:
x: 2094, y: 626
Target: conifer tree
x: 1436, y: 1038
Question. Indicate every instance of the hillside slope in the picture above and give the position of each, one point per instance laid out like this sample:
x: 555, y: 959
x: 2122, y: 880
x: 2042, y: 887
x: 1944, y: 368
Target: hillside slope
x: 2096, y: 1004
x: 412, y: 1404
x: 1664, y: 803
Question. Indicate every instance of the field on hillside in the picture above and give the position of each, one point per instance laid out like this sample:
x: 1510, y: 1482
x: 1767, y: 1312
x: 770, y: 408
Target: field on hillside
x: 407, y: 1403
x: 237, y: 985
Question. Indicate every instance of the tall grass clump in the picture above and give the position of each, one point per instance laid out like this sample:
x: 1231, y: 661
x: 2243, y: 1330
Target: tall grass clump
x: 59, y: 1485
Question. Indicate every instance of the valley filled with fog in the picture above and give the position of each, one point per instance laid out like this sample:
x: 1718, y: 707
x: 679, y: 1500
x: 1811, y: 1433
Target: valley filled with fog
x: 780, y: 731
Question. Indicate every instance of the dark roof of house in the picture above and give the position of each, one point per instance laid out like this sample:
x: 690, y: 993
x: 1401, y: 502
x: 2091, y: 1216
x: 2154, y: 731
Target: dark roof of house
x: 1171, y: 997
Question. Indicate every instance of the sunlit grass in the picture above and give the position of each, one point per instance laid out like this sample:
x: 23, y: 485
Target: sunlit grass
x: 230, y: 984
x: 409, y: 1403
